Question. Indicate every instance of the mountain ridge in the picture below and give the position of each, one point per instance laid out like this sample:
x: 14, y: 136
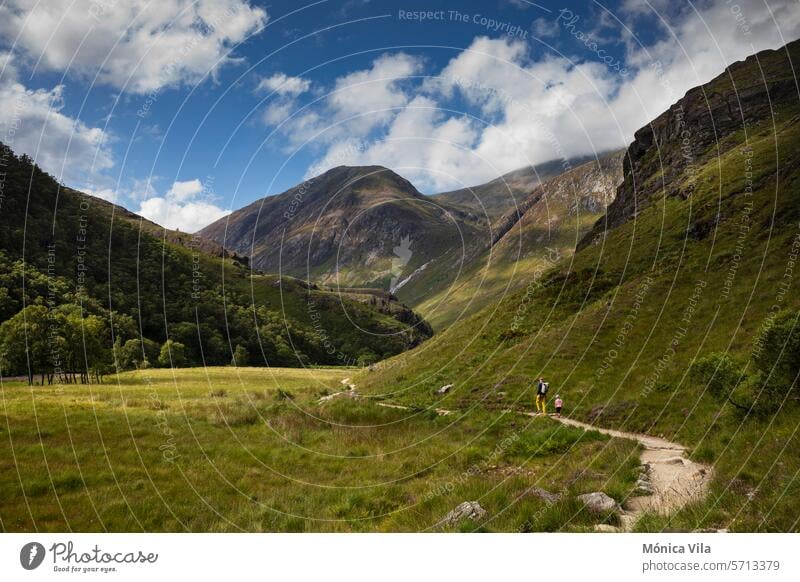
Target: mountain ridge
x: 343, y: 226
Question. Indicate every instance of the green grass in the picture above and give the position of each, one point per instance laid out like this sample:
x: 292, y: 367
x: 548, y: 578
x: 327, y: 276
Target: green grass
x: 225, y: 449
x: 610, y: 329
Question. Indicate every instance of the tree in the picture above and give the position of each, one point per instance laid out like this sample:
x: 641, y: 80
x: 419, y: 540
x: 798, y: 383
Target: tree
x: 367, y: 357
x: 138, y: 354
x: 240, y: 356
x: 776, y: 350
x: 719, y: 372
x: 172, y: 355
x: 24, y: 342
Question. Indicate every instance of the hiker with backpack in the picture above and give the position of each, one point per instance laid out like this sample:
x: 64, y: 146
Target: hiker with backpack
x: 541, y: 395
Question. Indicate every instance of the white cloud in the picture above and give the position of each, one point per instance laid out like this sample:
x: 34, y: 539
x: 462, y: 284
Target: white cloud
x: 422, y: 143
x: 141, y: 45
x: 285, y: 90
x: 32, y: 122
x: 358, y: 103
x: 545, y: 28
x: 375, y: 90
x: 187, y: 206
x: 182, y: 191
x: 283, y: 84
x: 538, y: 109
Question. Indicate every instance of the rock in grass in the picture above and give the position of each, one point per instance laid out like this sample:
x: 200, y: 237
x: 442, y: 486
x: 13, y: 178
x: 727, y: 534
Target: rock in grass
x: 444, y: 389
x: 598, y: 502
x: 347, y: 394
x: 546, y: 496
x: 467, y: 510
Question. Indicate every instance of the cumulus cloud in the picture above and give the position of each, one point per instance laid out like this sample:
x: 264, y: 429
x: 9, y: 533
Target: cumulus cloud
x: 187, y: 206
x: 284, y: 91
x: 374, y: 91
x: 138, y: 45
x: 283, y: 84
x: 358, y: 103
x: 32, y: 122
x: 532, y: 109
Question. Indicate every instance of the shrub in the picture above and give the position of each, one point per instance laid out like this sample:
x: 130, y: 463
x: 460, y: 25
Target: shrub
x: 719, y: 372
x: 172, y: 354
x: 776, y: 350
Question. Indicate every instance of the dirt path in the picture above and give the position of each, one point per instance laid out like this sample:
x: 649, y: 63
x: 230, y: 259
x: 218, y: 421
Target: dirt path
x: 674, y: 479
x: 669, y: 479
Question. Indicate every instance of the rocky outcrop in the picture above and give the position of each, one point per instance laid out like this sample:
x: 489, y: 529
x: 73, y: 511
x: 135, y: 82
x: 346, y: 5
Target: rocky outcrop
x: 586, y: 189
x: 469, y: 510
x: 662, y: 159
x: 511, y: 190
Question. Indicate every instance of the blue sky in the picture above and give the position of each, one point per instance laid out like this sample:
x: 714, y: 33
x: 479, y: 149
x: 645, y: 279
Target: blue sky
x: 184, y: 109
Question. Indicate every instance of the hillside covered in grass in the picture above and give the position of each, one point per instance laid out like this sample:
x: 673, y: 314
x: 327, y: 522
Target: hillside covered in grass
x: 677, y: 316
x: 540, y: 230
x: 87, y: 288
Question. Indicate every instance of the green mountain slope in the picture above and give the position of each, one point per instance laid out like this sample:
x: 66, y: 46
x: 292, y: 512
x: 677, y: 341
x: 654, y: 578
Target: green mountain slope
x: 76, y: 261
x: 543, y: 228
x: 678, y: 314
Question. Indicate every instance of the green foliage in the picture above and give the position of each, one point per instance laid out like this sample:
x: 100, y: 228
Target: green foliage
x: 776, y: 350
x: 240, y: 356
x: 149, y: 284
x: 172, y: 354
x: 719, y: 373
x: 61, y: 344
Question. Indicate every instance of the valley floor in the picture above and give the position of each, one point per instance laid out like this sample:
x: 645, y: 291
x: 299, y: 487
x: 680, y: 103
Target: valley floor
x: 255, y: 449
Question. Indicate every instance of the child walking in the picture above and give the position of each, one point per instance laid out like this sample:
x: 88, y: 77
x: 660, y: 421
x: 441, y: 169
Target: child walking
x: 559, y: 403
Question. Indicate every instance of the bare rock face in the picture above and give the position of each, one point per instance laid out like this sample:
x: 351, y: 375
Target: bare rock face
x: 598, y: 502
x: 467, y: 510
x: 587, y: 188
x: 693, y: 131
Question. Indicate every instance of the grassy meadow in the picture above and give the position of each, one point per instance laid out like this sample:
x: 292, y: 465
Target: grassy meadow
x: 227, y: 449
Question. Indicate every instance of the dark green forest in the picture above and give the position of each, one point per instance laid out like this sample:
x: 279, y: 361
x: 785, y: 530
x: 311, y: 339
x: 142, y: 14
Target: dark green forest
x: 87, y: 288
